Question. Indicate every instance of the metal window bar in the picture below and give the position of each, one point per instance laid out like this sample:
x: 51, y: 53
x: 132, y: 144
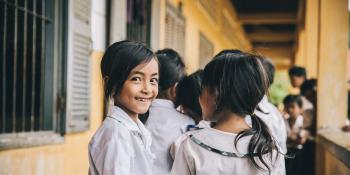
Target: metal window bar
x: 138, y: 28
x: 22, y: 65
x: 3, y: 82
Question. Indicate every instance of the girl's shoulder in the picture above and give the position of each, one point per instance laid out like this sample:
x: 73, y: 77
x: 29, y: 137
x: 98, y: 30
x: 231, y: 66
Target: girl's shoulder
x: 110, y: 131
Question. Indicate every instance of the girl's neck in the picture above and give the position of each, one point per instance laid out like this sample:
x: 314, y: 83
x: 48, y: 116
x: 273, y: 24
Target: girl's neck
x: 134, y: 116
x: 231, y: 122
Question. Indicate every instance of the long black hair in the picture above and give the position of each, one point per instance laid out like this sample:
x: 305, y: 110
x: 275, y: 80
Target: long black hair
x: 119, y: 60
x: 240, y: 82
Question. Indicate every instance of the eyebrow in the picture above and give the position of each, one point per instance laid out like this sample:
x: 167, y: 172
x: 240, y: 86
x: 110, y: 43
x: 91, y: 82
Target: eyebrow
x: 138, y: 72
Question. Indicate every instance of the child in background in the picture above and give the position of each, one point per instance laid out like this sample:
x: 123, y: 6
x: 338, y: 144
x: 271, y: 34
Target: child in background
x: 297, y: 134
x: 164, y: 122
x: 294, y: 121
x: 187, y: 95
x: 232, y: 86
x: 122, y: 144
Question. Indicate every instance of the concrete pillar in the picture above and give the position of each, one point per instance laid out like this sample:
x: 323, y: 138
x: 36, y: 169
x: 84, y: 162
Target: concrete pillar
x: 333, y: 47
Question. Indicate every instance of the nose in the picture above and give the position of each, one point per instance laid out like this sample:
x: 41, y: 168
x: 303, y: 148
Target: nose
x: 146, y: 88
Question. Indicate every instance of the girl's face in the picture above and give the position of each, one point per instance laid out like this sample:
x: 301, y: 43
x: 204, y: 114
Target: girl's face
x: 139, y: 89
x: 293, y: 109
x: 208, y: 104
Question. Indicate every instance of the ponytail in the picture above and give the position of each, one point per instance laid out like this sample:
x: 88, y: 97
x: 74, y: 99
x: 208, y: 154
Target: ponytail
x: 260, y: 143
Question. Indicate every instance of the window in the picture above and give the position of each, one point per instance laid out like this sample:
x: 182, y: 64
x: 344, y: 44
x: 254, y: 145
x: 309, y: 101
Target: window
x: 139, y: 20
x: 211, y: 7
x: 206, y: 50
x: 33, y: 67
x: 175, y: 30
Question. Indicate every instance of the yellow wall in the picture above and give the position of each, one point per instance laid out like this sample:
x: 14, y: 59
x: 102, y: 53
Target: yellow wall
x: 70, y: 157
x: 197, y: 20
x: 307, y: 52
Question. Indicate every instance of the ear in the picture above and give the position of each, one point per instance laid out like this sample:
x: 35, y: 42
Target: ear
x: 105, y: 79
x: 173, y: 91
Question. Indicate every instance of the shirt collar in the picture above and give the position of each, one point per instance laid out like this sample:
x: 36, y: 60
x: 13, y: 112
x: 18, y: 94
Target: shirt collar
x: 163, y: 103
x: 263, y: 104
x: 120, y: 115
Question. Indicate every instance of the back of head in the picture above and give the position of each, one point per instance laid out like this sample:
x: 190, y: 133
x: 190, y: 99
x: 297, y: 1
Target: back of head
x: 269, y: 68
x: 297, y: 71
x: 188, y: 91
x: 239, y: 80
x: 229, y: 51
x: 118, y: 61
x: 308, y: 85
x: 172, y: 68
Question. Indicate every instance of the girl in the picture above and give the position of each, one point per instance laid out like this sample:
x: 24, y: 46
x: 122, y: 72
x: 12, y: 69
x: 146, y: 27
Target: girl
x: 164, y: 122
x: 232, y: 86
x: 122, y: 144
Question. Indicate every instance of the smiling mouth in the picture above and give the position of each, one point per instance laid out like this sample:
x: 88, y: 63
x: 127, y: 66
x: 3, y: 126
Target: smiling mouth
x: 144, y: 99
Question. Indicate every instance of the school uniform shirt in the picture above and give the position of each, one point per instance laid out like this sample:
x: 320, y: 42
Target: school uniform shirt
x: 297, y: 126
x: 204, y: 124
x: 175, y: 146
x: 274, y: 121
x: 120, y: 146
x: 165, y: 124
x: 210, y: 151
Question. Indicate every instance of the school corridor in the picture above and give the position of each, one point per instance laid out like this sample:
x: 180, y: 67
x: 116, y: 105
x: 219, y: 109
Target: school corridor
x: 52, y: 97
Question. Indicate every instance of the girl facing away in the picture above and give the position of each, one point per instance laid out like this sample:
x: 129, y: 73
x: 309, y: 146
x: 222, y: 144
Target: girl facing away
x: 232, y: 86
x: 164, y: 122
x: 122, y: 144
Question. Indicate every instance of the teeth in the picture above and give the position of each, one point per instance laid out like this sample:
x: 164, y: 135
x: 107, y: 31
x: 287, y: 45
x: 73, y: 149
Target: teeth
x: 143, y: 99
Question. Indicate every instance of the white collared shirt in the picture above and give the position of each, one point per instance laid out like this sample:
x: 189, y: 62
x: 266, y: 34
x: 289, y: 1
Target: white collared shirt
x: 274, y: 121
x: 191, y: 158
x: 120, y: 146
x: 165, y: 124
x: 297, y: 126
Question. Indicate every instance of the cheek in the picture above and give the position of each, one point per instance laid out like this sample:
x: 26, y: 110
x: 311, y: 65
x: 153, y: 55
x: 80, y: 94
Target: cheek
x: 155, y: 91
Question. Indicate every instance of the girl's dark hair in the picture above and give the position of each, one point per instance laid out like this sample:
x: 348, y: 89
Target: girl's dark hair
x: 118, y: 61
x: 297, y: 71
x: 188, y: 91
x: 172, y: 68
x: 239, y: 82
x: 289, y: 99
x: 269, y: 68
x: 308, y: 85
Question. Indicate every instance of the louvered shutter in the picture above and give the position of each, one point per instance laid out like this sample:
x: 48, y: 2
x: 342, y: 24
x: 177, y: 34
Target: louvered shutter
x: 174, y: 30
x: 78, y: 75
x: 206, y: 50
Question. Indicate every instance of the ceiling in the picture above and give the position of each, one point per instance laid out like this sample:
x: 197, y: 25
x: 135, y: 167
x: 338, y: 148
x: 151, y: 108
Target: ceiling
x: 270, y: 23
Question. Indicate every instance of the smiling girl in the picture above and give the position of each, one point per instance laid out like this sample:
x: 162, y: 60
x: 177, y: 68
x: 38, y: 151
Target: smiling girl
x: 122, y: 144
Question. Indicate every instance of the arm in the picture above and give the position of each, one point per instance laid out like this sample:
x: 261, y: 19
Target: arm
x: 109, y: 155
x: 183, y: 164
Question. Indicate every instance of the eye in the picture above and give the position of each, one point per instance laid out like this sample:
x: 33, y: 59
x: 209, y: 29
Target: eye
x: 136, y: 79
x: 154, y: 80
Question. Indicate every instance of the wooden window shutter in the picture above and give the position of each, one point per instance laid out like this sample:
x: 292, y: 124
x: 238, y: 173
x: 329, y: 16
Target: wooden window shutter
x: 206, y: 50
x: 175, y: 26
x: 78, y: 75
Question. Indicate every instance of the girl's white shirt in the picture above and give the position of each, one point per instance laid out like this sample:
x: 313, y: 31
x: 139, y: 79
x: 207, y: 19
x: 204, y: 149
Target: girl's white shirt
x: 274, y: 121
x: 120, y: 146
x: 165, y: 124
x: 193, y: 159
x: 297, y: 126
x: 176, y: 145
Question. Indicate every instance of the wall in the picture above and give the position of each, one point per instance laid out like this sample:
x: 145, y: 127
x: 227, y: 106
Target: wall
x: 71, y: 156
